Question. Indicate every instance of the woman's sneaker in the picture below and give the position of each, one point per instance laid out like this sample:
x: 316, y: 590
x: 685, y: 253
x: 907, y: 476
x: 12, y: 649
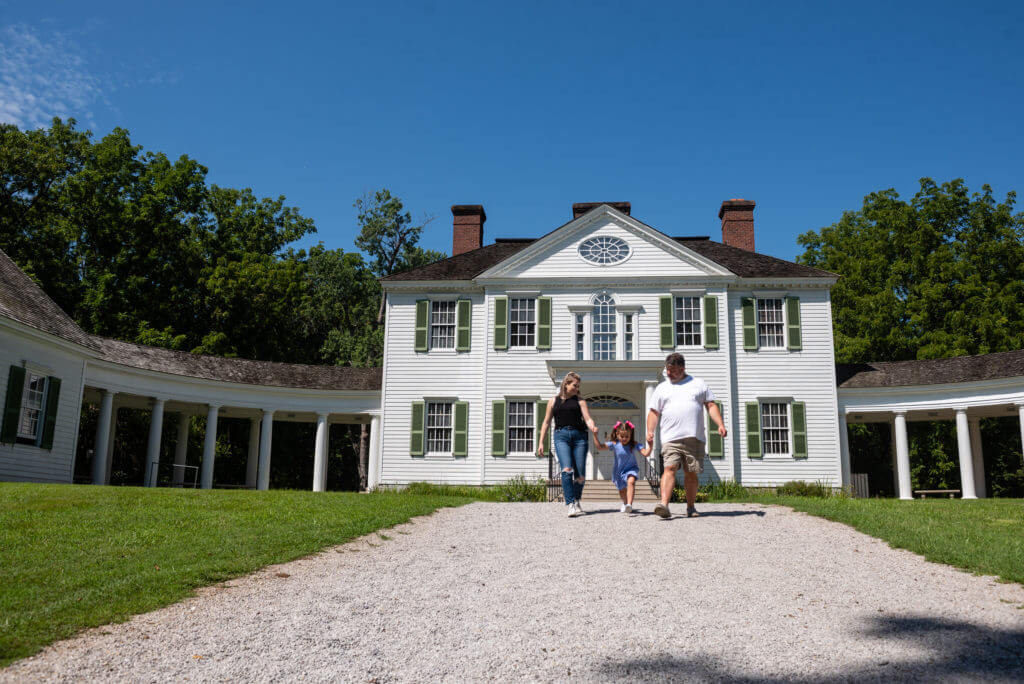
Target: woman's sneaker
x: 572, y: 510
x: 579, y: 509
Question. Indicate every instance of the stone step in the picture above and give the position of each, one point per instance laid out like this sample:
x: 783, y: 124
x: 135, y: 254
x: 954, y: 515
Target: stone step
x: 604, y: 490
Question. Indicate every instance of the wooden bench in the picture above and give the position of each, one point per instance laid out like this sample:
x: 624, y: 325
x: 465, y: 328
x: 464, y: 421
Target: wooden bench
x: 925, y: 492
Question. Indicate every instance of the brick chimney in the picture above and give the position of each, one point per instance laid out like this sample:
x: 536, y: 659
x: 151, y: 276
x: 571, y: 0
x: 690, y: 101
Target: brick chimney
x: 581, y: 208
x: 467, y: 227
x: 738, y: 223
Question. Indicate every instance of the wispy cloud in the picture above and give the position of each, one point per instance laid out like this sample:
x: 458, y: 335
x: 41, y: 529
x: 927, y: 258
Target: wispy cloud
x: 44, y: 77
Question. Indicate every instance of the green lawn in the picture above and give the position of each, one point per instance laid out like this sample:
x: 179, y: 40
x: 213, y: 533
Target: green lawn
x: 81, y: 556
x: 985, y: 536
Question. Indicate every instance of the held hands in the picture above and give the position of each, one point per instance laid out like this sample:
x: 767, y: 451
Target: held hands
x: 650, y: 436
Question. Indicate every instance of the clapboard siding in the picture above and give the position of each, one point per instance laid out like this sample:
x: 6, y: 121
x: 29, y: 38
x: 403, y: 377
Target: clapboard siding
x: 808, y: 376
x: 21, y: 462
x: 414, y: 376
x: 646, y: 257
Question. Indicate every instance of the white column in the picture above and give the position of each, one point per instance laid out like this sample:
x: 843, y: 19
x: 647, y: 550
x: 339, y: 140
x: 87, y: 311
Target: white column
x: 266, y: 432
x: 181, y: 448
x: 110, y: 443
x: 976, y: 457
x: 320, y: 454
x: 156, y: 427
x: 649, y: 386
x: 252, y: 465
x: 963, y: 444
x: 209, y: 448
x: 895, y: 467
x: 844, y: 451
x: 902, y: 455
x: 100, y: 452
x: 1020, y: 411
x: 373, y: 476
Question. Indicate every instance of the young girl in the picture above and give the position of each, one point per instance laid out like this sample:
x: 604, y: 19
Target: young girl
x: 625, y: 473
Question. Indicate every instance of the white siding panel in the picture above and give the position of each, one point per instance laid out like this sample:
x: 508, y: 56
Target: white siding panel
x: 413, y: 376
x: 808, y: 376
x: 646, y: 257
x: 21, y: 462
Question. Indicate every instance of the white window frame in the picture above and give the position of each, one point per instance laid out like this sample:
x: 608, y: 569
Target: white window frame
x: 532, y: 415
x: 430, y: 324
x: 676, y: 322
x: 521, y: 298
x: 40, y: 411
x: 757, y: 321
x: 581, y: 310
x: 615, y: 335
x: 450, y: 403
x: 787, y: 404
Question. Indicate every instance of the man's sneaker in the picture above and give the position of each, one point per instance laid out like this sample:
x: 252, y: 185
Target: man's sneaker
x: 662, y: 511
x: 691, y: 512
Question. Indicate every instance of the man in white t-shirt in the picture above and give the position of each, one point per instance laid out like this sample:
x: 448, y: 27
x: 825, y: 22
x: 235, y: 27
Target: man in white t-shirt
x: 679, y: 403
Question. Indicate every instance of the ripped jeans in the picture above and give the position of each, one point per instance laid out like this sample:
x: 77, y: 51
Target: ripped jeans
x: 571, y: 449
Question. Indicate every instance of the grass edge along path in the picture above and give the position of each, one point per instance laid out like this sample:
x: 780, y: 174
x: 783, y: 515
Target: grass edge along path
x: 74, y: 557
x: 980, y: 536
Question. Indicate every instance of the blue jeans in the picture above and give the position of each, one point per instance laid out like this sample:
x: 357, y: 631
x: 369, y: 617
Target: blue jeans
x: 571, y: 448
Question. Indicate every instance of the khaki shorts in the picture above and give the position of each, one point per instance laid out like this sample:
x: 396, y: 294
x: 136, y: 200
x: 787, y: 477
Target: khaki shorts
x: 687, y: 454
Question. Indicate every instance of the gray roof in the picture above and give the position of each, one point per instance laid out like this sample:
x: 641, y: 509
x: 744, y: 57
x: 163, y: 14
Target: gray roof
x: 932, y: 371
x: 24, y: 301
x: 469, y: 265
x: 245, y: 371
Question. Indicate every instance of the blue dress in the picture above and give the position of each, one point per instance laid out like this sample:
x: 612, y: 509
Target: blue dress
x: 625, y: 463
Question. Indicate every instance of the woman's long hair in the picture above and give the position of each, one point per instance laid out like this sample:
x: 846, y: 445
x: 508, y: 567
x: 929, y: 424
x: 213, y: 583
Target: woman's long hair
x: 571, y: 375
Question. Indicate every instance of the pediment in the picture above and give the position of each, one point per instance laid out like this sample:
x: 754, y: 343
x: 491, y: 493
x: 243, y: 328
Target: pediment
x: 614, y: 246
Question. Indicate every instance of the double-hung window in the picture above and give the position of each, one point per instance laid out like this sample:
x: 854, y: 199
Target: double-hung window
x: 439, y: 427
x: 31, y: 420
x: 442, y: 324
x: 521, y: 416
x: 775, y: 428
x: 603, y: 328
x: 627, y: 336
x: 770, y: 324
x: 688, y: 321
x: 522, y: 322
x: 581, y: 336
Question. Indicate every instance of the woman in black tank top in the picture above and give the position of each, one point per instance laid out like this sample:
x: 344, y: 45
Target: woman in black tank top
x: 572, y: 420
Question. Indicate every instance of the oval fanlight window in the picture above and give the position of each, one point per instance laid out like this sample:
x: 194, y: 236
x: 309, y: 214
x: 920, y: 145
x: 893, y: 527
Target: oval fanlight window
x: 604, y: 250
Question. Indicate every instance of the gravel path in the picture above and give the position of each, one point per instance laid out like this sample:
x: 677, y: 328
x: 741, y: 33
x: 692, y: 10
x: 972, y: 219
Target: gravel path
x: 519, y: 591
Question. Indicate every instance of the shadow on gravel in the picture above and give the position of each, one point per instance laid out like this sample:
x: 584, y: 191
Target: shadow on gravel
x: 959, y: 650
x: 680, y: 515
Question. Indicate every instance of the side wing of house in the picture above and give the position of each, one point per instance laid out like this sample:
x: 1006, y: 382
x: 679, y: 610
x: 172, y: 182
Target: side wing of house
x: 41, y: 382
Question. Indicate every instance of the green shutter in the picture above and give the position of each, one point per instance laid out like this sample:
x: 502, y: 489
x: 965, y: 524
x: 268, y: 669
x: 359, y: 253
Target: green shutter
x: 50, y: 416
x: 12, y: 406
x: 749, y: 324
x: 541, y: 409
x: 501, y: 322
x: 666, y: 322
x: 459, y: 443
x: 498, y: 428
x: 543, y: 322
x: 416, y: 428
x: 716, y: 445
x: 422, y: 314
x: 711, y: 322
x: 753, y: 430
x: 799, y: 429
x: 793, y: 339
x: 463, y: 318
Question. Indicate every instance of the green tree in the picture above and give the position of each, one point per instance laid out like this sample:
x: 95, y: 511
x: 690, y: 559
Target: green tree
x: 938, y: 276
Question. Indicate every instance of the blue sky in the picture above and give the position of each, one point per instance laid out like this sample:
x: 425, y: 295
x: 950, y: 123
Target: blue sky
x: 528, y: 107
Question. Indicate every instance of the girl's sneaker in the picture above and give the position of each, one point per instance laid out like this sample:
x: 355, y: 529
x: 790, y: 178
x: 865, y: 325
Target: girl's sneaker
x: 626, y: 508
x: 623, y: 509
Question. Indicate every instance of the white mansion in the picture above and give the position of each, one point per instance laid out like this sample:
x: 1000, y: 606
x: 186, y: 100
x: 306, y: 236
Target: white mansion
x: 474, y: 344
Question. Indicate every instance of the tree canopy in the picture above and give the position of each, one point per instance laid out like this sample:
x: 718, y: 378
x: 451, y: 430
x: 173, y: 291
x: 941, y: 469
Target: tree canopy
x: 940, y: 275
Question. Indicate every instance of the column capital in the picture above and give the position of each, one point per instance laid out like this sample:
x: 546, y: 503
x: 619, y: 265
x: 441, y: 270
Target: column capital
x: 268, y: 412
x: 107, y: 392
x: 900, y: 413
x: 323, y: 414
x: 158, y: 400
x: 960, y: 409
x: 211, y: 407
x: 1020, y: 405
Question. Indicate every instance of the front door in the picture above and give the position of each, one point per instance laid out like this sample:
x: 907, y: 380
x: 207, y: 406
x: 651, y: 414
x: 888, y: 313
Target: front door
x: 603, y: 460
